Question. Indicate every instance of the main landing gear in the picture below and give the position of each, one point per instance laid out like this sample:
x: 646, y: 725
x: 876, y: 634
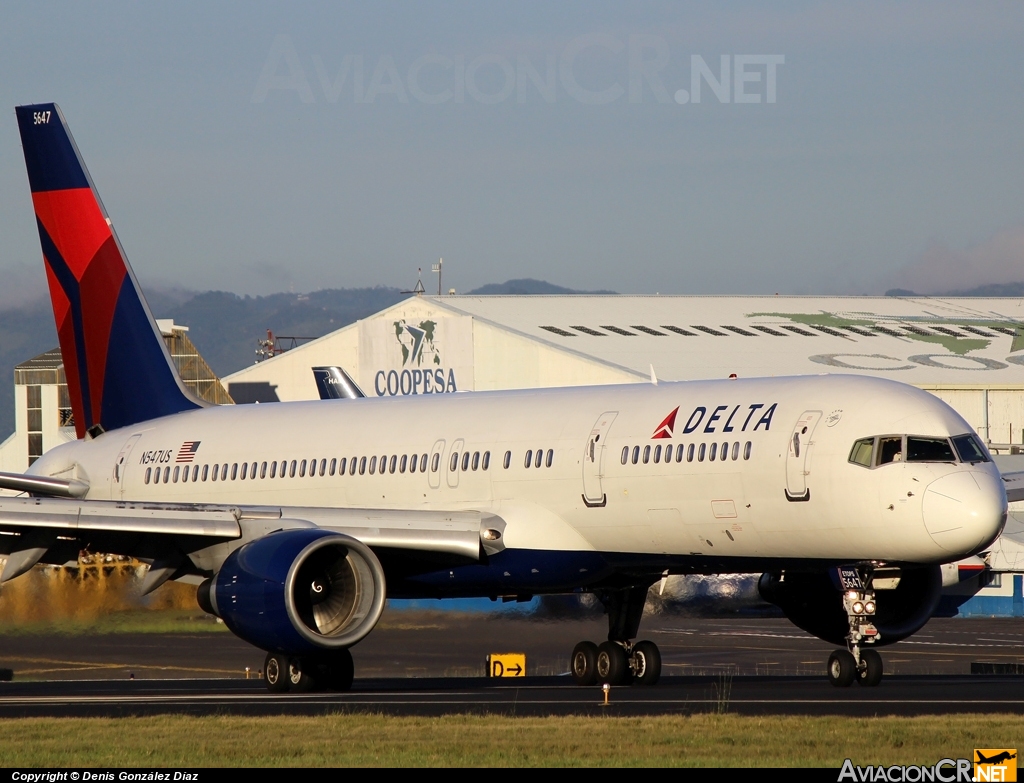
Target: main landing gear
x: 619, y: 661
x: 859, y: 662
x: 305, y: 673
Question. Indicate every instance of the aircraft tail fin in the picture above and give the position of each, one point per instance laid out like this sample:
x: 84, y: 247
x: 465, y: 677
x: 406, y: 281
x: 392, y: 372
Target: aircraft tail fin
x: 333, y: 383
x: 118, y: 369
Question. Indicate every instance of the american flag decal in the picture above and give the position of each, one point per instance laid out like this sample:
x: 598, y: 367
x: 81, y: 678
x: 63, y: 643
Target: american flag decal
x: 188, y: 450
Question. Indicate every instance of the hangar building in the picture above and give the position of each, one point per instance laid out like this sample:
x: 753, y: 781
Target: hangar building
x: 968, y: 351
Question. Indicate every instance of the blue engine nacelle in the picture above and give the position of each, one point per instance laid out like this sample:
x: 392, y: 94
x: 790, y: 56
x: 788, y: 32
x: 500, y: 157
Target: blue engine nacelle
x: 298, y: 591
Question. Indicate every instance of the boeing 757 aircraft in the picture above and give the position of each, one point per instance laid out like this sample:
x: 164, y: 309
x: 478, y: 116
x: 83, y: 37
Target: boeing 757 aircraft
x: 298, y: 520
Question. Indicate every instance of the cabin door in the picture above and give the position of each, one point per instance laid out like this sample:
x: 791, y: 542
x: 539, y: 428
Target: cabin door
x: 798, y: 458
x: 120, y: 468
x: 594, y: 456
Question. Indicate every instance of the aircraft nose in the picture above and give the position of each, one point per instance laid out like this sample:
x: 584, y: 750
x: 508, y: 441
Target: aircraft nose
x: 964, y: 511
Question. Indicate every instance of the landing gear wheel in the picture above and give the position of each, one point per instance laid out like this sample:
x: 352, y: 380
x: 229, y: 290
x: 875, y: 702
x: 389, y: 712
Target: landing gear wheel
x: 870, y: 672
x: 300, y: 676
x: 275, y: 670
x: 612, y: 664
x: 584, y: 663
x: 842, y: 668
x: 645, y: 660
x: 338, y: 671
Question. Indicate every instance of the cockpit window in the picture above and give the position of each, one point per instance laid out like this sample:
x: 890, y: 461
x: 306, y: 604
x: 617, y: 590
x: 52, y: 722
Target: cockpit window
x: 861, y: 452
x: 890, y: 450
x: 969, y: 449
x: 929, y: 450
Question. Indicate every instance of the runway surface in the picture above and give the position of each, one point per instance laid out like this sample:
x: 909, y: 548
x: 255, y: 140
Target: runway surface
x: 428, y: 663
x: 764, y: 695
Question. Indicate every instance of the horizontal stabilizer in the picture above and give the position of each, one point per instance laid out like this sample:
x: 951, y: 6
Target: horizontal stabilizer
x: 43, y: 485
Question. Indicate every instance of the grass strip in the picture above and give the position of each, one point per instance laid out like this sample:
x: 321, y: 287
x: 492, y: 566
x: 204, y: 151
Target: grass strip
x: 470, y: 740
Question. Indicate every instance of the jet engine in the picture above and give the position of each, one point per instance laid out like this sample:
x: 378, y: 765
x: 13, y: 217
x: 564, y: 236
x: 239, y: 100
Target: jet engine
x: 813, y: 602
x: 298, y: 591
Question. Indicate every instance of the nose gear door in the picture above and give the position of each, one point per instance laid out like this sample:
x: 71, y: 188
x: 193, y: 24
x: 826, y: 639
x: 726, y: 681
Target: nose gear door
x: 593, y: 461
x: 798, y: 459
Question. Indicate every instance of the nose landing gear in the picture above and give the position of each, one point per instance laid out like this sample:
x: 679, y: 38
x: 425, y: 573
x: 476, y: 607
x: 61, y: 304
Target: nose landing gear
x: 859, y: 662
x: 619, y: 661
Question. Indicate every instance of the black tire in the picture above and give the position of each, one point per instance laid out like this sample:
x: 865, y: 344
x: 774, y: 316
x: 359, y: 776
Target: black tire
x: 842, y: 668
x: 612, y: 664
x: 338, y: 671
x: 646, y: 663
x: 275, y: 673
x: 870, y: 672
x: 300, y: 675
x: 584, y: 663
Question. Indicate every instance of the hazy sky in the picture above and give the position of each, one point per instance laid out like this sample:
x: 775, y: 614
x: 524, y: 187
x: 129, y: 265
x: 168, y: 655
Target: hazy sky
x: 254, y: 147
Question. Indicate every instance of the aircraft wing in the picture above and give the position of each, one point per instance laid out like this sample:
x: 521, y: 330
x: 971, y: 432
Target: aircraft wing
x: 55, y: 529
x: 1014, y: 486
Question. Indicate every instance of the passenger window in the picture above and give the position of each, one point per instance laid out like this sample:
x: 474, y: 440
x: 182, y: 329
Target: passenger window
x: 206, y: 471
x: 273, y: 469
x: 929, y: 450
x: 184, y: 474
x: 647, y: 454
x: 423, y: 464
x: 362, y: 465
x: 454, y: 464
x: 465, y: 461
x: 373, y: 465
x: 167, y: 475
x: 435, y: 463
x: 540, y: 456
x: 861, y: 452
x: 746, y: 449
x: 725, y: 452
x: 476, y: 460
x: 625, y: 454
x: 551, y: 457
x: 393, y: 464
x: 657, y: 454
x: 403, y: 463
x: 342, y: 465
x: 245, y: 470
x: 735, y: 451
x: 323, y: 466
x: 413, y: 460
x: 263, y: 470
x: 508, y: 460
x: 700, y: 452
x: 529, y: 458
x: 689, y: 453
x: 890, y: 450
x: 291, y: 471
x: 487, y: 460
x: 302, y: 469
x: 969, y: 449
x: 234, y: 471
x: 636, y: 454
x: 679, y: 453
x: 334, y: 464
x: 149, y: 474
x: 156, y: 476
x: 352, y: 466
x: 712, y: 452
x: 216, y: 470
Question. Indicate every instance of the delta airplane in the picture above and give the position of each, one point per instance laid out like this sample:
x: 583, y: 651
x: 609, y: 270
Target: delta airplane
x: 297, y: 520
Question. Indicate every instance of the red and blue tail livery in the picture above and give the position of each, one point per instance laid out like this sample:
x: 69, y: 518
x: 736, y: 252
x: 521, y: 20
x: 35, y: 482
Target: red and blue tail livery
x: 117, y: 366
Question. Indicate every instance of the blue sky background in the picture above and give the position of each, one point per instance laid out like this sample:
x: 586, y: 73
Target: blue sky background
x: 892, y: 155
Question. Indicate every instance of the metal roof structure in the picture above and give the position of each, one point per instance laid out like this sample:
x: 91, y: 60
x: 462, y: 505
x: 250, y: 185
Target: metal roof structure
x: 922, y: 341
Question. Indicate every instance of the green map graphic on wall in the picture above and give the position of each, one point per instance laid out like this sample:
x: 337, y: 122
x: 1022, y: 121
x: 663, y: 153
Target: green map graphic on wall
x: 959, y: 336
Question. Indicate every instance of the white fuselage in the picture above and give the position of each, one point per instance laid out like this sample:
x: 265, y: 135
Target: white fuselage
x: 786, y: 491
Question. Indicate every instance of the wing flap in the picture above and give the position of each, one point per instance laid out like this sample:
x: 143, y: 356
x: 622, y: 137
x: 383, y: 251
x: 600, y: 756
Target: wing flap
x: 116, y: 517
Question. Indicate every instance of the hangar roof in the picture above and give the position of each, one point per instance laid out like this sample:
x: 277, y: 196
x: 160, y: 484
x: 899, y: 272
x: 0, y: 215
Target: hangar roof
x: 921, y: 340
